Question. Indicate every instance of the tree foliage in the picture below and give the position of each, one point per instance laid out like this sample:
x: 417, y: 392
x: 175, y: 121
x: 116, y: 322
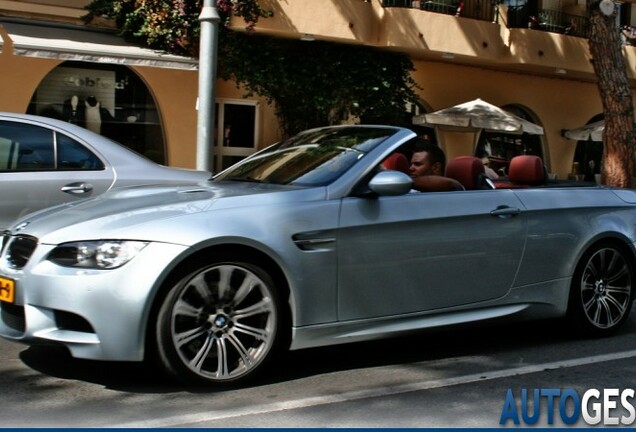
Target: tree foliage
x: 317, y: 83
x: 616, y: 96
x: 309, y: 83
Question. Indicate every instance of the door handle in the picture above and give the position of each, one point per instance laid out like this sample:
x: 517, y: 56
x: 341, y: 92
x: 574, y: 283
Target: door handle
x: 77, y: 188
x: 505, y: 211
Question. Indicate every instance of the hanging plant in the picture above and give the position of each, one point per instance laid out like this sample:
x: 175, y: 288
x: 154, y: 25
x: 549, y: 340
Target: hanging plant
x: 170, y: 25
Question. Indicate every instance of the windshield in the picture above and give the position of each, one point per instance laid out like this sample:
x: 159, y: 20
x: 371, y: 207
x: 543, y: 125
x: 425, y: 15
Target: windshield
x: 312, y: 158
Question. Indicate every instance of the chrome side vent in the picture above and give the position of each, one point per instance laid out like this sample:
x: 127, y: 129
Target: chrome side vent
x: 18, y: 250
x: 319, y: 241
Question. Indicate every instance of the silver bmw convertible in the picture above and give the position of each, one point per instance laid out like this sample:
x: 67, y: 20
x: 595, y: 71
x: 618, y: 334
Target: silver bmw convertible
x: 314, y: 241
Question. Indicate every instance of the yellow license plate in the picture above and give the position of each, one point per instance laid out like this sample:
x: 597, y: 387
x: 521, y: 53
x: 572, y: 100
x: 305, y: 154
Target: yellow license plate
x: 7, y: 290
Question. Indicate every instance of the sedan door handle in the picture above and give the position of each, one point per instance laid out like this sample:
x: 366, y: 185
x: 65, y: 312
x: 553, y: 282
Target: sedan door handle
x: 77, y: 188
x: 505, y: 211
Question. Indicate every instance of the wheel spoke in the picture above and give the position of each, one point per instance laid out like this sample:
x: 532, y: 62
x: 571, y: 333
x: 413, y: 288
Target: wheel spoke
x: 587, y: 306
x: 222, y: 370
x: 197, y: 361
x: 608, y: 312
x: 620, y: 307
x: 225, y: 277
x: 264, y: 306
x: 587, y: 286
x: 240, y: 349
x: 201, y: 287
x: 597, y: 313
x: 246, y: 287
x: 186, y: 309
x: 591, y: 271
x: 186, y: 337
x: 260, y: 334
x: 624, y: 290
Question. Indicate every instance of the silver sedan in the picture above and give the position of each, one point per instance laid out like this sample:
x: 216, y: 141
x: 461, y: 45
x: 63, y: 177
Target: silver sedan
x: 312, y: 242
x: 45, y: 162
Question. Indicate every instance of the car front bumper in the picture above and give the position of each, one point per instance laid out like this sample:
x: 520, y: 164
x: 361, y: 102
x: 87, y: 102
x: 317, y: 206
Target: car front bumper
x: 96, y: 314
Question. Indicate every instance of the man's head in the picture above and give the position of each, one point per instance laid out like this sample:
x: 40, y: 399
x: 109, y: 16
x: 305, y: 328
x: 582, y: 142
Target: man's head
x: 427, y: 159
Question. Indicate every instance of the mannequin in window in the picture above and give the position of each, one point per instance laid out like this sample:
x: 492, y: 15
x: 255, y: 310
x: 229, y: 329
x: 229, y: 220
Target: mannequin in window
x: 73, y: 111
x: 98, y: 118
x: 93, y: 114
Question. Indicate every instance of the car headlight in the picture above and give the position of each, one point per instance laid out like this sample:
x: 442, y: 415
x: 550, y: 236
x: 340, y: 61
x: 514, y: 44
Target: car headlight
x: 99, y: 254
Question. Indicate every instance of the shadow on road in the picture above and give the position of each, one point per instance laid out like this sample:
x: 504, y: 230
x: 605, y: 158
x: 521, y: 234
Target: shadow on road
x: 422, y: 347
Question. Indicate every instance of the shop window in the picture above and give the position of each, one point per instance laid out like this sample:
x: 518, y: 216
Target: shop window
x: 499, y: 148
x: 108, y: 99
x: 238, y: 136
x: 588, y: 157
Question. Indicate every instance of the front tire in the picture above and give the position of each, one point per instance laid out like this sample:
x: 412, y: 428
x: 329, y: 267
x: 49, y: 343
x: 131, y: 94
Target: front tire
x: 219, y: 324
x: 602, y: 290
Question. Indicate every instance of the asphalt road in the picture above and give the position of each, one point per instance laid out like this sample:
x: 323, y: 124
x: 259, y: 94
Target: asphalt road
x: 456, y: 378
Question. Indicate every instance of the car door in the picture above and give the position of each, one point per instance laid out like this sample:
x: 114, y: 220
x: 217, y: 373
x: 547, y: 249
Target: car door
x: 427, y: 251
x: 40, y: 168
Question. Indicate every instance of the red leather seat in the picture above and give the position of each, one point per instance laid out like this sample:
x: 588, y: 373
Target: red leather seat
x: 527, y: 170
x: 468, y: 170
x: 397, y: 162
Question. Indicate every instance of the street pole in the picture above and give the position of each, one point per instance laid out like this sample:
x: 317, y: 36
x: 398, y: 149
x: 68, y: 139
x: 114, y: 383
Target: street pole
x: 209, y: 20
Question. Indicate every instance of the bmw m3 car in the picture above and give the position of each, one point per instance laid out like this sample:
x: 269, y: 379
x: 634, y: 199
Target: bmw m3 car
x: 313, y: 241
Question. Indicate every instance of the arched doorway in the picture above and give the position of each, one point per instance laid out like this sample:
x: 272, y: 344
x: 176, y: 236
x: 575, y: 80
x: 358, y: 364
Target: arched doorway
x: 588, y: 155
x: 111, y: 100
x: 500, y: 148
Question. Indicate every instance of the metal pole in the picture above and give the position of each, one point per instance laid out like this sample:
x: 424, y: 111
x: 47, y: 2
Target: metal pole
x: 209, y: 20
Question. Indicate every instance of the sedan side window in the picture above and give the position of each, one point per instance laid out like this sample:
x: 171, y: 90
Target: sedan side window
x: 25, y: 147
x: 71, y: 155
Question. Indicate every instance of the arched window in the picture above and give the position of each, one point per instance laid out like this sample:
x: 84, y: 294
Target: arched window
x: 111, y: 100
x: 501, y: 147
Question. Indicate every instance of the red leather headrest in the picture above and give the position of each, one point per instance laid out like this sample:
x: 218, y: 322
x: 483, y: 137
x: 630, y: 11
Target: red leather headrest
x: 526, y: 169
x: 466, y: 170
x: 397, y: 162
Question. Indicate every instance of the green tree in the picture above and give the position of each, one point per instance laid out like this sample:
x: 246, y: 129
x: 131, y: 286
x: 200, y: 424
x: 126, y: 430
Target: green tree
x: 309, y: 83
x: 616, y: 96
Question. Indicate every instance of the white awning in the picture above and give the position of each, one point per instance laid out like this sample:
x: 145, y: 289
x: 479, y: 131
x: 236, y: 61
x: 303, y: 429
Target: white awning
x: 84, y: 45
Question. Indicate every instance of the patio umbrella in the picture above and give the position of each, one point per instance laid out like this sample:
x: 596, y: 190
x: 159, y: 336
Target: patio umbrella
x: 477, y: 115
x: 589, y: 132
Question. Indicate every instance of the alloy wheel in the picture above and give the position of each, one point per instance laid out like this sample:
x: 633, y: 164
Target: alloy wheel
x: 606, y: 288
x: 223, y: 322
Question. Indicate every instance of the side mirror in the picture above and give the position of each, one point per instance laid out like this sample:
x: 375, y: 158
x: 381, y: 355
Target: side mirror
x: 391, y: 183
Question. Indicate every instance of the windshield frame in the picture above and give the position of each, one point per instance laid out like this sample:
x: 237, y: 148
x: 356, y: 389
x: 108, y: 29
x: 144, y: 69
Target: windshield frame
x: 317, y: 157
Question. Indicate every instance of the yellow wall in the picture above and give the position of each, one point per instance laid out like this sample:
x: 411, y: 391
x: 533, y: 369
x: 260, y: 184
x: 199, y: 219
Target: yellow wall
x: 175, y: 94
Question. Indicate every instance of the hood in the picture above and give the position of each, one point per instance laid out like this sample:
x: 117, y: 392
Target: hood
x: 123, y: 208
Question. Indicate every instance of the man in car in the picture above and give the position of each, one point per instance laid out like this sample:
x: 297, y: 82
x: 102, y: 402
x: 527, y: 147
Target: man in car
x: 428, y: 164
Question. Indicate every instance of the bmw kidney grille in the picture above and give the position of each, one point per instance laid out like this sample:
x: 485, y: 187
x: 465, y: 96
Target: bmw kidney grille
x: 18, y: 250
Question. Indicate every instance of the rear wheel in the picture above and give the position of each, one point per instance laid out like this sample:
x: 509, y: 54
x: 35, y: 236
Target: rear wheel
x: 602, y: 290
x: 219, y: 324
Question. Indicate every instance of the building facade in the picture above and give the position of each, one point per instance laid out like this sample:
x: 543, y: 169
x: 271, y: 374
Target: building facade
x: 529, y: 57
x: 52, y: 64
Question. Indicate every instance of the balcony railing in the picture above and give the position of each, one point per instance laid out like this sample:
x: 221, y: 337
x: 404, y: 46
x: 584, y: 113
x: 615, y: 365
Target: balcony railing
x: 550, y: 20
x: 476, y: 9
x: 518, y: 16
